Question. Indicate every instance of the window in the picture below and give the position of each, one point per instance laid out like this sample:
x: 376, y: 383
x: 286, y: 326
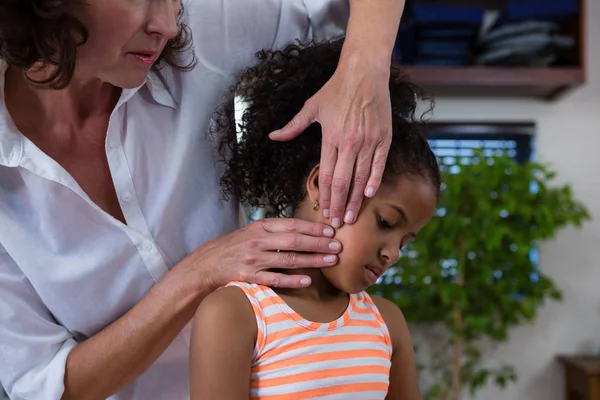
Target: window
x: 450, y: 142
x: 454, y: 143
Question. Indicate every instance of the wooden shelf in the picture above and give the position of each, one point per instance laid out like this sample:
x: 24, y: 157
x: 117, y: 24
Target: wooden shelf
x: 471, y: 81
x: 523, y: 82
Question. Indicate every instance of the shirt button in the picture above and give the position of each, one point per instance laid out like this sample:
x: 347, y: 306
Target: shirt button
x: 112, y: 143
x: 126, y: 196
x: 147, y: 246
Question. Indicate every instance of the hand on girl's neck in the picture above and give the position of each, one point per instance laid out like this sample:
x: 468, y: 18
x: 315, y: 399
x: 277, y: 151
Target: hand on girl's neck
x: 320, y: 289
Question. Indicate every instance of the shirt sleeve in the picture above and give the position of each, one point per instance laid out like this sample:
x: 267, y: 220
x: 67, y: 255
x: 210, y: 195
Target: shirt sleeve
x: 33, y: 347
x: 228, y: 33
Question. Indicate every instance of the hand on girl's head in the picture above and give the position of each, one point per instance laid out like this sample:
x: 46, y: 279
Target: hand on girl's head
x: 355, y: 116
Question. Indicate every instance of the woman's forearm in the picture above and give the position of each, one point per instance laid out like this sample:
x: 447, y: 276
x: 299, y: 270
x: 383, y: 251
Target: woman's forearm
x: 120, y: 353
x: 372, y: 29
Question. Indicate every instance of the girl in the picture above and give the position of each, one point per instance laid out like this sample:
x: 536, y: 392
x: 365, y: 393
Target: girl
x: 330, y: 340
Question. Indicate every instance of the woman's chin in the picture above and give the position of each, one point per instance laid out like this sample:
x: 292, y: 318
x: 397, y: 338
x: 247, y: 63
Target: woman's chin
x: 130, y: 81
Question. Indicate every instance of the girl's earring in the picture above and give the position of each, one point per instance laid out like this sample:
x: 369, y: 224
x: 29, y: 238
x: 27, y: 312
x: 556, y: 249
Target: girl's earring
x: 316, y: 206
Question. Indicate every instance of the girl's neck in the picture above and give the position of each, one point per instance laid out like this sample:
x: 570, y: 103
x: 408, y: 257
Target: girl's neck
x: 320, y: 289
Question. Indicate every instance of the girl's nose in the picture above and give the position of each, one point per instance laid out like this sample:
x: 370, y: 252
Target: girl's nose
x: 390, y: 253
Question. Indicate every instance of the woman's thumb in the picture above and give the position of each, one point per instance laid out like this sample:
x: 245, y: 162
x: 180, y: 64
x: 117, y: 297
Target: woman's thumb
x: 297, y: 125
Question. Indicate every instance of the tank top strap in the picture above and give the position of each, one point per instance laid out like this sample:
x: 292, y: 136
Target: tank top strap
x: 366, y: 301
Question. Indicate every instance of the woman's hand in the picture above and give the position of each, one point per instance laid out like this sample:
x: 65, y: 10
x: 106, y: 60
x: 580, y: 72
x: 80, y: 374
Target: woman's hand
x: 355, y: 113
x: 247, y: 254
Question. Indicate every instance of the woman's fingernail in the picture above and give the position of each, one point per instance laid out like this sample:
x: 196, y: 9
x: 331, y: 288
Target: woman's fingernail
x: 330, y: 259
x: 349, y: 218
x: 274, y: 133
x: 305, y: 281
x: 370, y: 191
x: 336, y: 223
x: 335, y: 246
x: 328, y: 232
x: 326, y: 212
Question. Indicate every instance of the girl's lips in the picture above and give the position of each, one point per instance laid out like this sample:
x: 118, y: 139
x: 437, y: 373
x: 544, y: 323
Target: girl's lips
x: 377, y: 271
x: 372, y: 274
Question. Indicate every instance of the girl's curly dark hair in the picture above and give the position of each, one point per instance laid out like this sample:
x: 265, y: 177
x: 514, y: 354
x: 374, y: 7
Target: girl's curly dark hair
x: 264, y: 173
x: 33, y: 31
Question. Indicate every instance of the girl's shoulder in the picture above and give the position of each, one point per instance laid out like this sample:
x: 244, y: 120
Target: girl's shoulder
x: 385, y: 306
x: 236, y: 298
x: 226, y: 310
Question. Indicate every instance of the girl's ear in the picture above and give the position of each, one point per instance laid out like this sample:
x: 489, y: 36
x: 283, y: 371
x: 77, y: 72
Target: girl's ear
x: 312, y: 185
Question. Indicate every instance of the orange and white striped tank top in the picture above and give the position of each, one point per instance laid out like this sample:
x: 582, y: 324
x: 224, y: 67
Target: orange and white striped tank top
x: 295, y: 359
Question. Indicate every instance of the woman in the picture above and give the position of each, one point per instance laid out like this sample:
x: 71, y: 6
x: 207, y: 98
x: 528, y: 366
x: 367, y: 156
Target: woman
x: 113, y: 229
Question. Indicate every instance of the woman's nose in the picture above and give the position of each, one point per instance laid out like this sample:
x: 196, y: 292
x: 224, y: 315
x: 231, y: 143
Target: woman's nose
x: 163, y: 19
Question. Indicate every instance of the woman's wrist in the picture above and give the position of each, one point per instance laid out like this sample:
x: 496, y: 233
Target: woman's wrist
x: 355, y: 59
x: 372, y: 31
x: 193, y: 278
x: 363, y: 76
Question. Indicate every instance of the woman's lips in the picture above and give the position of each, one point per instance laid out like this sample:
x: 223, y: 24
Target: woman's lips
x: 145, y: 58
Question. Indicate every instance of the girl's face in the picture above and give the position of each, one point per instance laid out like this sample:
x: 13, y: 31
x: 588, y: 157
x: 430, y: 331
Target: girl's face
x: 126, y: 37
x: 385, y: 224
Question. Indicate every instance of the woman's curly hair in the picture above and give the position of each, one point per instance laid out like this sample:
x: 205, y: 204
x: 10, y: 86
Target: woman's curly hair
x: 33, y: 31
x: 261, y: 172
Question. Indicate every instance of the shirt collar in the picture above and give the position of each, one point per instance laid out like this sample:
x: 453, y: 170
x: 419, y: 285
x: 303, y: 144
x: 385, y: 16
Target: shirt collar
x: 158, y: 84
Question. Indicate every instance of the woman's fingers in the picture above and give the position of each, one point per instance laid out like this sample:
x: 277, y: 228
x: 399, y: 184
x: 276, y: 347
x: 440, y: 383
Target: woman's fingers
x: 297, y: 125
x: 302, y: 243
x: 276, y: 280
x: 294, y: 235
x: 293, y: 260
x: 326, y: 168
x: 342, y: 180
x: 253, y: 260
x: 357, y: 188
x: 377, y: 169
x: 250, y: 253
x: 288, y: 225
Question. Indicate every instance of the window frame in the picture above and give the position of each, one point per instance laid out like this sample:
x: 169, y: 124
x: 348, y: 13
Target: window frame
x: 523, y: 133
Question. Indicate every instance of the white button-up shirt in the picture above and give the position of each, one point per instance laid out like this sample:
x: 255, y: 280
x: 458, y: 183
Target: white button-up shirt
x: 67, y: 268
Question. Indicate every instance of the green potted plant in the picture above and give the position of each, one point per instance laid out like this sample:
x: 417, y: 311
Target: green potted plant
x: 473, y: 268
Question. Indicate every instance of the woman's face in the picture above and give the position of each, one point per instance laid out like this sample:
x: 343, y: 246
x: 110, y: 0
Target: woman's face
x: 126, y: 37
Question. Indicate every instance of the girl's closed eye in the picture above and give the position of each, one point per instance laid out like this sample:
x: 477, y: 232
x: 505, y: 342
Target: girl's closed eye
x: 383, y: 223
x: 386, y: 225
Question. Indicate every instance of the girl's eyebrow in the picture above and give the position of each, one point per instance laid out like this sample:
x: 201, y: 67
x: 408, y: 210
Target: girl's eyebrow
x: 402, y: 214
x: 400, y: 211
